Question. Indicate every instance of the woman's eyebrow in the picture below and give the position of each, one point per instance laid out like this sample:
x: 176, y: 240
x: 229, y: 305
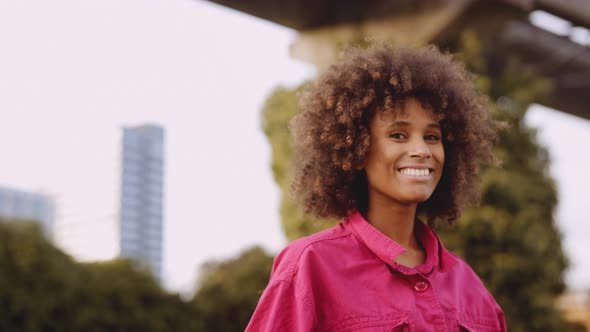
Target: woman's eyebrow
x: 432, y: 125
x: 399, y: 124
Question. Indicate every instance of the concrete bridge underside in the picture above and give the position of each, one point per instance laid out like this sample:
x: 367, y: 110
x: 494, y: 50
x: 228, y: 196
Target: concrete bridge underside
x: 502, y: 25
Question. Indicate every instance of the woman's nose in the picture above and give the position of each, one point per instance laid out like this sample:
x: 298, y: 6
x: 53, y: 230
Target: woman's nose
x: 420, y: 149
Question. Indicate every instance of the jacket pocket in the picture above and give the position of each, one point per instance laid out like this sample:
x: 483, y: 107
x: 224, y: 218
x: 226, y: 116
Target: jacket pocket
x: 380, y: 323
x: 470, y: 325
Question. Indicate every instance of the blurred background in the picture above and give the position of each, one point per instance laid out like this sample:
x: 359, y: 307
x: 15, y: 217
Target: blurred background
x: 145, y: 169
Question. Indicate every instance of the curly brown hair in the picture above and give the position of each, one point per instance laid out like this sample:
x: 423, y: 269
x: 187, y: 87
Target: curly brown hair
x: 331, y: 133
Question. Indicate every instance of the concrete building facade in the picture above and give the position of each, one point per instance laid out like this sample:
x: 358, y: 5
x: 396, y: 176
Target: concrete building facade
x: 26, y: 205
x: 142, y: 194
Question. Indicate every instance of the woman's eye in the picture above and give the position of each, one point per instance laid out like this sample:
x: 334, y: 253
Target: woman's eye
x: 432, y: 138
x: 397, y: 136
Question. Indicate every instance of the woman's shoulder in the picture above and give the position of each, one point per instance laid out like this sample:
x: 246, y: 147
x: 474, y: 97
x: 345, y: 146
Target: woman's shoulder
x: 303, y: 252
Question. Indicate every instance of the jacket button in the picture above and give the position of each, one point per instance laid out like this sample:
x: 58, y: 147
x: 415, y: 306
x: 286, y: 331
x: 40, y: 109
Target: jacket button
x: 421, y: 286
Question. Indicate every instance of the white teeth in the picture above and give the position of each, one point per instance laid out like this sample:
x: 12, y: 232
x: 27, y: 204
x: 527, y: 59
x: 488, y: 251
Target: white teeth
x: 415, y: 171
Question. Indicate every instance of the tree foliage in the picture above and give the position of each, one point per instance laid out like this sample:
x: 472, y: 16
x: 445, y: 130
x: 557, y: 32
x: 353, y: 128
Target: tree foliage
x: 511, y: 240
x: 229, y: 290
x: 43, y: 289
x: 278, y: 109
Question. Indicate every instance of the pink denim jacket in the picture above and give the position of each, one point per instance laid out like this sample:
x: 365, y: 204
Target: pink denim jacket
x: 346, y: 279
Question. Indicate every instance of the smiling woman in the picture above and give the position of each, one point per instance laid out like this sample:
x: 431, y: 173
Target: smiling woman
x: 388, y: 140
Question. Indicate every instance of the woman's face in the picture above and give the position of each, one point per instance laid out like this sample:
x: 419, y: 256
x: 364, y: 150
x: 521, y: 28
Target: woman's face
x: 406, y: 156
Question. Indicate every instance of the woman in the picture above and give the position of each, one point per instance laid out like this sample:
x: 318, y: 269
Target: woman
x: 387, y: 140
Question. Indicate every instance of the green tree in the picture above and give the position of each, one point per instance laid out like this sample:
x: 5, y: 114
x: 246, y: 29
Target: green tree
x: 511, y: 241
x: 35, y: 280
x: 120, y: 295
x: 43, y: 289
x: 278, y: 109
x: 229, y: 290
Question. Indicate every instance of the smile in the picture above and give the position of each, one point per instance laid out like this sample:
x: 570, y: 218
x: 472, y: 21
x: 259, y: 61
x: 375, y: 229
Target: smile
x: 416, y: 171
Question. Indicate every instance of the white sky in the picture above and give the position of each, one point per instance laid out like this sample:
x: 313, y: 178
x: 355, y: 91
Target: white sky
x: 73, y: 72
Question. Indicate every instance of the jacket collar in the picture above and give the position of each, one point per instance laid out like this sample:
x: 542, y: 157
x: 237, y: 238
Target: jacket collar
x: 387, y: 249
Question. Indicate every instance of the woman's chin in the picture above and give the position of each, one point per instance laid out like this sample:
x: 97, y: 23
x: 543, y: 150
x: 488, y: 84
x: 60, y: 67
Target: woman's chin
x: 417, y: 198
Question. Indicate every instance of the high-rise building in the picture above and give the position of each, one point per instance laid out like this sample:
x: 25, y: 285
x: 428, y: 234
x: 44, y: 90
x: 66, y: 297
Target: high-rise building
x: 141, y: 205
x: 25, y: 205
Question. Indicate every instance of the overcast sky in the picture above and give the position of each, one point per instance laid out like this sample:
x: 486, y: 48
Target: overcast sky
x: 72, y: 73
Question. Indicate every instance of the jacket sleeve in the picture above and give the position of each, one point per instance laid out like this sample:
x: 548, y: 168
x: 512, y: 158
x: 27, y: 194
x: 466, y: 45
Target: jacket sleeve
x: 499, y: 313
x: 284, y: 306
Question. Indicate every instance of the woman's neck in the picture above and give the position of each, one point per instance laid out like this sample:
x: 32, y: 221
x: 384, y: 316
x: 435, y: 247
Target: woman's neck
x: 395, y: 221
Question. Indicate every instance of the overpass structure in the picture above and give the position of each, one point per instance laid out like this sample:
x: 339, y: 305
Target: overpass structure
x: 503, y: 27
